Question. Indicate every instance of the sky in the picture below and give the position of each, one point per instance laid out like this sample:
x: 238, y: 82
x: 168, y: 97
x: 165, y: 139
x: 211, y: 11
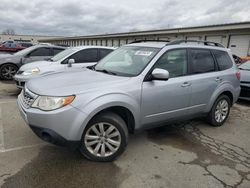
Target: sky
x: 81, y: 17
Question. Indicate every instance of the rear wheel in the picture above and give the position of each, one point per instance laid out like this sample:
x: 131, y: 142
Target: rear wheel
x: 220, y: 111
x: 7, y: 71
x: 104, y: 138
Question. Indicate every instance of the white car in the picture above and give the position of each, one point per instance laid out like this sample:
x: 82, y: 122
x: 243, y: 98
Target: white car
x: 82, y: 56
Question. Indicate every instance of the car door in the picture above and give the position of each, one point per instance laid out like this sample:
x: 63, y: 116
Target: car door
x: 84, y: 58
x: 205, y: 78
x: 166, y: 100
x: 38, y: 54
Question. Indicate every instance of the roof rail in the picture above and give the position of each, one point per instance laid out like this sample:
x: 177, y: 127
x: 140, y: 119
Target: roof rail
x: 139, y: 41
x: 206, y: 43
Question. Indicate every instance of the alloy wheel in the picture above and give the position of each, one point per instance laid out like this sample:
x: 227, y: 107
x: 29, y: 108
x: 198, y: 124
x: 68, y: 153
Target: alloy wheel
x: 8, y: 72
x: 102, y: 139
x: 221, y: 110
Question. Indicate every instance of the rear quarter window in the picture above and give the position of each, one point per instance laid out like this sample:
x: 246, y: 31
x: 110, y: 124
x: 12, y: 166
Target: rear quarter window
x: 223, y: 59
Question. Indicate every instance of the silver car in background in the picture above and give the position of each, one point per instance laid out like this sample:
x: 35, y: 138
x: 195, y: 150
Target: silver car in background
x: 75, y: 57
x: 138, y: 86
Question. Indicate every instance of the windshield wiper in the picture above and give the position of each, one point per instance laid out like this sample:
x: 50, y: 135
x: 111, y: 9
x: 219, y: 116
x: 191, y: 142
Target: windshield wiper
x: 105, y: 71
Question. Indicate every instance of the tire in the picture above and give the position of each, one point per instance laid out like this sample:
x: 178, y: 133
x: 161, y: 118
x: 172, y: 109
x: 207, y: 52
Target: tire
x: 118, y: 134
x: 7, y: 71
x: 221, y: 104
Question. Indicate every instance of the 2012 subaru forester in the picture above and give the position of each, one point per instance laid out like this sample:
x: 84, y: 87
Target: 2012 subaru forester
x: 138, y: 86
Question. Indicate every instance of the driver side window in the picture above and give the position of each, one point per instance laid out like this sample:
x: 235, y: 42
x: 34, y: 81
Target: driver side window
x: 174, y: 61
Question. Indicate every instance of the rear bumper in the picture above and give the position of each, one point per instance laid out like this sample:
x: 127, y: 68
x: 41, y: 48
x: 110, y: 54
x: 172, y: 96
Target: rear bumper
x: 245, y: 92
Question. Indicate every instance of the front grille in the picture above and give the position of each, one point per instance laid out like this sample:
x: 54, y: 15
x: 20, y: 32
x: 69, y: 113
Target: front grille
x: 27, y: 98
x: 20, y: 83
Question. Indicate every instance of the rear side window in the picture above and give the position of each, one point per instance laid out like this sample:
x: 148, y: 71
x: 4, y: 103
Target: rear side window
x: 56, y: 50
x: 223, y: 59
x: 41, y: 52
x: 85, y: 56
x: 201, y: 61
x: 104, y: 52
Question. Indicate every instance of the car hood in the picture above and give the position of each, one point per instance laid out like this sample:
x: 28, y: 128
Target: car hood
x: 245, y: 75
x: 37, y: 64
x: 73, y: 82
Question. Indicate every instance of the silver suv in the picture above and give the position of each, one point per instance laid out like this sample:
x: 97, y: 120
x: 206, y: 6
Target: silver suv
x: 138, y: 86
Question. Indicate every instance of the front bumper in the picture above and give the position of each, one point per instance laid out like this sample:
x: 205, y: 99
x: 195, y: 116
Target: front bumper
x: 60, y: 127
x: 52, y: 137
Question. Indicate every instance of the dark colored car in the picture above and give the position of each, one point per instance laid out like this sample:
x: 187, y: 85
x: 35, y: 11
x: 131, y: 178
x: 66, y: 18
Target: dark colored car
x: 245, y: 81
x: 9, y: 64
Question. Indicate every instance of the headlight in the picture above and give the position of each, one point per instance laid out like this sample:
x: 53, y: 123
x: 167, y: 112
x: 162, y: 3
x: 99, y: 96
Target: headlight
x: 48, y: 103
x: 31, y: 71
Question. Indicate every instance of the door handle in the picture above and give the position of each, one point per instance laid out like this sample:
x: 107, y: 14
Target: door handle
x: 186, y: 84
x: 218, y: 79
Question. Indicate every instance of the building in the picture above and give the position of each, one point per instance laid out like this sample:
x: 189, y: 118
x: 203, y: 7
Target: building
x: 24, y: 38
x: 235, y: 36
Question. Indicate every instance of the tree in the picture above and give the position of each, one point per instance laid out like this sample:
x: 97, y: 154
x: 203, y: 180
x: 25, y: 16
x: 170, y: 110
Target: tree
x: 8, y: 32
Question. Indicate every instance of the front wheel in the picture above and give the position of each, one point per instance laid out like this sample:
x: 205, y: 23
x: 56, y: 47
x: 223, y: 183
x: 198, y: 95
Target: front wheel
x: 104, y: 138
x: 8, y: 71
x: 220, y: 111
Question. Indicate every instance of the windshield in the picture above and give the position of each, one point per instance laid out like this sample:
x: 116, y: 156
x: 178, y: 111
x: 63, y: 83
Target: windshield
x: 245, y: 66
x: 26, y: 50
x: 63, y: 54
x: 127, y: 61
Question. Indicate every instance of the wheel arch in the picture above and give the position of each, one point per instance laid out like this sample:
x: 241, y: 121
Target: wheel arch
x: 228, y: 91
x: 10, y: 63
x: 123, y: 112
x: 123, y: 105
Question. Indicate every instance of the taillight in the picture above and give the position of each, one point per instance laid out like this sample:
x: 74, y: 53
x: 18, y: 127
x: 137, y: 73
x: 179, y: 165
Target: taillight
x: 238, y: 74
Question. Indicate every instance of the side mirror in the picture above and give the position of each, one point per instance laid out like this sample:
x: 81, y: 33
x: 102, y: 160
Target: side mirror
x: 160, y: 74
x: 70, y: 62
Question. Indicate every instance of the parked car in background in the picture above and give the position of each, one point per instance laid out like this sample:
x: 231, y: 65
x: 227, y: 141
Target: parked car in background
x: 9, y: 64
x: 138, y: 86
x: 11, y: 46
x: 245, y: 81
x: 80, y: 57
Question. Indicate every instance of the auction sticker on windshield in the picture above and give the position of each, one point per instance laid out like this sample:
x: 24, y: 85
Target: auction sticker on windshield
x: 143, y: 53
